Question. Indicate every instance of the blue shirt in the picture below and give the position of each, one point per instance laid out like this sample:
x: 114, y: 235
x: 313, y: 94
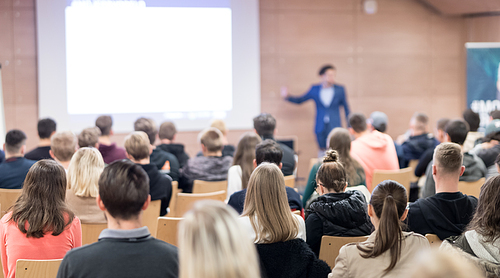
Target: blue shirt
x: 13, y: 172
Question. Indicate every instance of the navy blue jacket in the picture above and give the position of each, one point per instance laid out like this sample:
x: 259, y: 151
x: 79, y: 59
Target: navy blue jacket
x: 339, y: 99
x: 13, y: 172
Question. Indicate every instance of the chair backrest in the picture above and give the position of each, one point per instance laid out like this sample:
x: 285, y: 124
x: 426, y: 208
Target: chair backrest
x: 290, y: 181
x: 173, y: 199
x: 434, y: 240
x: 37, y: 268
x: 209, y: 186
x: 472, y: 188
x: 330, y: 247
x: 150, y: 216
x: 167, y: 229
x: 8, y: 197
x: 412, y: 165
x: 403, y: 176
x: 185, y: 201
x: 91, y: 232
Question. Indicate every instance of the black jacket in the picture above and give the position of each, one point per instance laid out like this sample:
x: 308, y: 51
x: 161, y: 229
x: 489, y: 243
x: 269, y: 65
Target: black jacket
x: 290, y: 259
x: 160, y: 158
x: 177, y: 150
x: 337, y: 214
x: 160, y: 186
x: 444, y: 214
x: 415, y: 147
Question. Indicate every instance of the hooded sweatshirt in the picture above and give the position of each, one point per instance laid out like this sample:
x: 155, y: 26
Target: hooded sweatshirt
x: 337, y: 214
x: 375, y: 151
x: 444, y: 214
x: 177, y: 150
x: 474, y: 170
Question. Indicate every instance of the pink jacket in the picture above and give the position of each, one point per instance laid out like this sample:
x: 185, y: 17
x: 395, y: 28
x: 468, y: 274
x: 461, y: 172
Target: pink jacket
x: 375, y: 151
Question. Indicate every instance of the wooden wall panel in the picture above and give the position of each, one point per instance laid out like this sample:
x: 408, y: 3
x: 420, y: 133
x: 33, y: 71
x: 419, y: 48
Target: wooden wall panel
x: 404, y: 58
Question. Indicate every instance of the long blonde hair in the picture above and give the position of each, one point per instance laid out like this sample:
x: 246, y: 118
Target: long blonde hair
x: 266, y: 205
x: 212, y: 244
x: 85, y: 167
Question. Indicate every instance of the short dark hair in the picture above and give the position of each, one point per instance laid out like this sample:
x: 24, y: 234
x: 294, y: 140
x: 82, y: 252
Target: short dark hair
x: 124, y: 188
x: 457, y: 131
x: 324, y: 68
x: 148, y: 126
x: 167, y: 131
x: 495, y: 114
x: 104, y: 123
x: 46, y: 127
x: 472, y: 118
x: 264, y: 124
x: 14, y: 140
x: 358, y: 122
x: 268, y: 151
x: 441, y: 123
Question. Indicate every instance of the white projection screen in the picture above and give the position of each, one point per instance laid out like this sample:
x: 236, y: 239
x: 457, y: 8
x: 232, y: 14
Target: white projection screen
x: 187, y: 61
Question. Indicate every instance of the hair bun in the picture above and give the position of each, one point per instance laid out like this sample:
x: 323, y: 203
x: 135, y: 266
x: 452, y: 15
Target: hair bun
x: 331, y: 156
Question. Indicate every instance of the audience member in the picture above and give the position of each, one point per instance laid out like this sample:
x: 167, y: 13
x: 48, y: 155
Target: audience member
x: 497, y: 163
x: 340, y: 141
x: 46, y: 128
x: 89, y: 138
x: 239, y: 174
x: 167, y: 135
x: 110, y: 152
x: 266, y: 151
x: 489, y: 149
x: 83, y: 175
x: 442, y: 264
x: 212, y: 166
x: 418, y: 140
x: 213, y: 244
x: 16, y: 166
x: 62, y: 147
x: 278, y: 233
x: 426, y: 158
x: 456, y: 132
x: 495, y: 115
x: 39, y: 226
x: 472, y: 118
x: 138, y: 149
x: 336, y: 212
x: 265, y: 126
x: 389, y: 251
x: 379, y: 121
x: 126, y: 248
x: 165, y: 162
x: 480, y: 243
x: 2, y: 156
x: 375, y: 150
x: 448, y: 211
x: 227, y: 150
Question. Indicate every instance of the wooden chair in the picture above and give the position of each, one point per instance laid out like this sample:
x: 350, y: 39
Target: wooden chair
x: 91, y: 232
x: 173, y: 199
x: 403, y: 176
x: 472, y: 188
x: 167, y: 229
x: 209, y: 186
x: 8, y: 197
x: 150, y: 216
x: 434, y: 240
x: 290, y: 181
x: 37, y: 268
x: 413, y: 164
x: 330, y: 247
x: 185, y: 201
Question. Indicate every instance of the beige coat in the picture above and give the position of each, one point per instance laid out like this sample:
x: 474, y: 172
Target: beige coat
x: 349, y: 263
x: 85, y: 208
